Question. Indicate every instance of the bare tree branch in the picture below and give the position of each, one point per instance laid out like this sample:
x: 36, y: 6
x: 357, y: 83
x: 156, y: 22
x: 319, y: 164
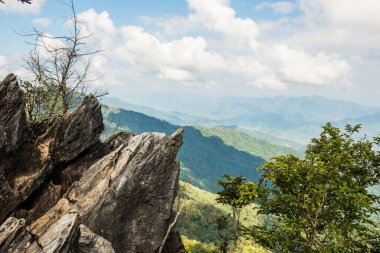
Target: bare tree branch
x: 170, y: 228
x: 22, y: 1
x: 61, y: 65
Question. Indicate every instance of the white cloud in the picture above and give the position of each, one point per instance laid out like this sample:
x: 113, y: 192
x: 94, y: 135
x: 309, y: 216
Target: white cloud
x: 212, y: 17
x: 47, y: 43
x: 218, y: 16
x: 175, y: 60
x: 3, y: 64
x: 7, y: 67
x: 196, y: 59
x: 23, y: 73
x: 179, y: 59
x: 300, y: 67
x: 256, y: 73
x: 276, y: 66
x: 13, y: 6
x: 176, y: 25
x: 282, y: 7
x: 103, y: 36
x: 168, y: 73
x: 347, y: 26
x: 44, y: 22
x: 100, y: 26
x: 3, y: 60
x: 352, y: 13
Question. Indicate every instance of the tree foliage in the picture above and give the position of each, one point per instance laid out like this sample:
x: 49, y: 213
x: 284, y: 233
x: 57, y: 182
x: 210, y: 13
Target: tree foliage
x: 36, y: 99
x: 322, y: 203
x: 244, y: 142
x: 197, y: 221
x: 230, y: 195
x: 226, y: 234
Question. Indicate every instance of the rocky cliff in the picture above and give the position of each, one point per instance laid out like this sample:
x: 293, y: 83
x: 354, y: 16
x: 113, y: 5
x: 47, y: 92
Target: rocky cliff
x: 63, y: 190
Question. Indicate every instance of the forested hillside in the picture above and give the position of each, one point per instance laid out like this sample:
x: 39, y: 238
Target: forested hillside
x: 197, y: 223
x: 204, y: 159
x: 207, y: 154
x: 247, y: 143
x: 293, y: 119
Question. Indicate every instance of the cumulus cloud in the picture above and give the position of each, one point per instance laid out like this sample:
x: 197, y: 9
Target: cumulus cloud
x: 135, y: 51
x: 300, y: 67
x: 179, y: 59
x: 44, y: 22
x: 277, y: 66
x: 352, y: 13
x: 7, y: 67
x: 218, y: 16
x: 256, y: 74
x: 282, y: 7
x: 99, y: 26
x: 344, y: 26
x: 174, y: 60
x: 212, y: 17
x: 48, y: 43
x: 13, y: 6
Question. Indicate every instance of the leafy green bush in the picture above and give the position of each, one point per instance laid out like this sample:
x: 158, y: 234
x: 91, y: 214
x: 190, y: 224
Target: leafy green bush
x: 322, y: 203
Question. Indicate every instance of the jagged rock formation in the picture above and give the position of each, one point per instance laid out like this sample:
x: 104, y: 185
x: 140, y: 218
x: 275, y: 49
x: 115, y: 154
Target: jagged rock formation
x: 63, y: 190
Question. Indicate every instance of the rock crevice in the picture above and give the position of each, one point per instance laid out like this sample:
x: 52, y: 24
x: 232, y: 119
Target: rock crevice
x: 63, y: 190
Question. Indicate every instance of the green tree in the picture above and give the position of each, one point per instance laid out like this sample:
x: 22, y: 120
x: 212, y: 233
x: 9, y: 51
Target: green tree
x: 222, y: 224
x: 322, y: 203
x: 231, y: 195
x: 38, y: 100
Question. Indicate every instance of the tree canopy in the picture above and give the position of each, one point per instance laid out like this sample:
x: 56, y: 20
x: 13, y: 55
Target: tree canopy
x: 322, y: 203
x: 230, y: 195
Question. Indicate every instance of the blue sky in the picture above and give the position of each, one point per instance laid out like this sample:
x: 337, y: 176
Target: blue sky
x: 215, y: 47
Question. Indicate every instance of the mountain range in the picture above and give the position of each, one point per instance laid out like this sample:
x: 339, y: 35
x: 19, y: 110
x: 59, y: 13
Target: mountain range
x: 206, y: 154
x: 212, y: 149
x: 290, y: 121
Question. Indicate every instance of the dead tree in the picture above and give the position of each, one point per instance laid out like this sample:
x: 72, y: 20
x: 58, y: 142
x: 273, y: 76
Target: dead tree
x: 60, y: 64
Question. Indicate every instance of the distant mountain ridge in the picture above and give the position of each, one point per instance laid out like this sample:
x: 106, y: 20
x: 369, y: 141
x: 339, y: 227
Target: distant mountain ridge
x: 293, y: 119
x: 173, y: 117
x: 204, y: 158
x: 245, y: 142
x: 311, y: 108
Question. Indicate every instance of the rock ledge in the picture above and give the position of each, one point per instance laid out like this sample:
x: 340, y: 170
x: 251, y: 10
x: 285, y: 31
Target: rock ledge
x: 63, y: 190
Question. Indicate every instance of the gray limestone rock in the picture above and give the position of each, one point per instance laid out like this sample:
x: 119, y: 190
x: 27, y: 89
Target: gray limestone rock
x: 12, y: 114
x: 136, y: 185
x: 47, y: 147
x: 89, y: 242
x: 63, y: 190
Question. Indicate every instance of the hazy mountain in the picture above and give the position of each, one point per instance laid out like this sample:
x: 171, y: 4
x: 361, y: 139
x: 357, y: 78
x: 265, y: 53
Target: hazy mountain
x: 370, y: 123
x: 204, y: 159
x: 205, y: 155
x: 245, y: 142
x: 311, y: 109
x: 272, y: 138
x: 290, y: 119
x: 173, y: 117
